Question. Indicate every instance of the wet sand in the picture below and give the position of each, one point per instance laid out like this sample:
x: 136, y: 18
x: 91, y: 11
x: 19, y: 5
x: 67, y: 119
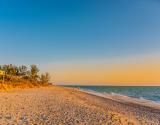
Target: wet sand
x: 63, y: 106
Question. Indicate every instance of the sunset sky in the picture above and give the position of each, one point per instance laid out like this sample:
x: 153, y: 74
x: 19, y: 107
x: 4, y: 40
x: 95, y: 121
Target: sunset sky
x: 109, y: 42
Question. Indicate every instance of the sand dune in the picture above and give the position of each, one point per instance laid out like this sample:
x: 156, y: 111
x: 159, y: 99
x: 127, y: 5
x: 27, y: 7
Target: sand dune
x: 62, y: 106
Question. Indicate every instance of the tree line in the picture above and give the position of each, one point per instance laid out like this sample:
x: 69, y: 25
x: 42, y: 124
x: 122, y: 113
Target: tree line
x: 12, y: 73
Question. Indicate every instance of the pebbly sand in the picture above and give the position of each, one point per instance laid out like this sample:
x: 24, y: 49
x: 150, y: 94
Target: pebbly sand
x: 64, y: 106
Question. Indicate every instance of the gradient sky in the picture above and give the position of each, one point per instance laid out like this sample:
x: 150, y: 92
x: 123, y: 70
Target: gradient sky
x: 111, y: 42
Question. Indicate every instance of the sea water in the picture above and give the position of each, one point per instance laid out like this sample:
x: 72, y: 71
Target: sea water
x: 141, y: 92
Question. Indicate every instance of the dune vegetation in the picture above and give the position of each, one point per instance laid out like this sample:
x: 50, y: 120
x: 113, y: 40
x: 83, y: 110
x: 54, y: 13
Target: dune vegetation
x: 12, y: 76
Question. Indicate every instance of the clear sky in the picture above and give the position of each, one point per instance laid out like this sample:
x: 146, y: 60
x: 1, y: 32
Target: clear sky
x: 112, y: 42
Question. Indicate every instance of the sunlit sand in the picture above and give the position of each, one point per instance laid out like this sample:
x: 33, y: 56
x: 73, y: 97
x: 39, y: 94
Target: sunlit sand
x: 62, y: 106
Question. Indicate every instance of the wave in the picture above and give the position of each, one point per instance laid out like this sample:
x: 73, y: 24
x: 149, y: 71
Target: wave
x: 123, y: 98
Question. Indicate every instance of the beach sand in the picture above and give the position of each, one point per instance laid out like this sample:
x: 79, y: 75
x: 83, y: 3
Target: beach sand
x: 64, y: 106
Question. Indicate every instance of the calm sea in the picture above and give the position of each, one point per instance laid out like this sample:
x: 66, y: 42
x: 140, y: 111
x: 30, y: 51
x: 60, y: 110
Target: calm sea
x: 140, y: 92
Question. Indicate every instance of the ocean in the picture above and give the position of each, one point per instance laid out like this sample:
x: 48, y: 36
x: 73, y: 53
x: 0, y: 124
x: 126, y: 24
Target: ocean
x: 151, y: 93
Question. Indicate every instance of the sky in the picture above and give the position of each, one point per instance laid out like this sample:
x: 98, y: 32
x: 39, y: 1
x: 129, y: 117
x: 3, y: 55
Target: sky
x: 109, y: 42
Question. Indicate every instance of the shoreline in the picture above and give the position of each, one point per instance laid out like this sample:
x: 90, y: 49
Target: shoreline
x: 142, y: 111
x: 125, y: 99
x: 60, y: 106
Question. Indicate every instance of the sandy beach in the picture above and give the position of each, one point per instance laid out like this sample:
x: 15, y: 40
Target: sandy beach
x: 64, y: 106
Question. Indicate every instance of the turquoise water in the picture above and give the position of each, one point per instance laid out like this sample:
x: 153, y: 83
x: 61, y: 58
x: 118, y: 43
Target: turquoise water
x: 140, y: 92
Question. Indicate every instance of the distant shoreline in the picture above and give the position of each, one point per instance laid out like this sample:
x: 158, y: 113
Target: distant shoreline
x: 145, y: 108
x: 125, y: 99
x: 142, y: 94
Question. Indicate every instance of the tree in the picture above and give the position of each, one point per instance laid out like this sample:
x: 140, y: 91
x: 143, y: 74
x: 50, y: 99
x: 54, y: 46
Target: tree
x: 14, y: 70
x: 44, y: 79
x: 23, y: 71
x: 22, y: 74
x: 34, y: 72
x: 5, y: 68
